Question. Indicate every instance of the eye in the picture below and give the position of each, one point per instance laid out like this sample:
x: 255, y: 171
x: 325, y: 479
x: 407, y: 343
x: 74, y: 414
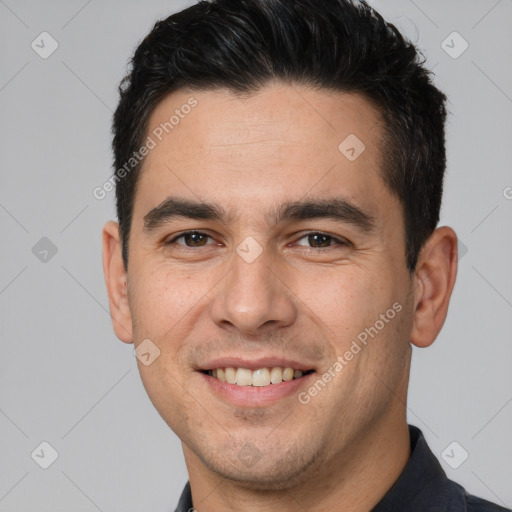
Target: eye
x: 190, y: 239
x: 315, y: 240
x: 322, y: 240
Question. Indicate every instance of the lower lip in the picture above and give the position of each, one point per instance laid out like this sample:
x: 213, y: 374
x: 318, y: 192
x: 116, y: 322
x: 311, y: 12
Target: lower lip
x: 254, y: 396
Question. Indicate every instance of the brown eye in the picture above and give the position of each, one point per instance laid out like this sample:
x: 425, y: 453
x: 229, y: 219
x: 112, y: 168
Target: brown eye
x: 191, y: 239
x: 321, y: 240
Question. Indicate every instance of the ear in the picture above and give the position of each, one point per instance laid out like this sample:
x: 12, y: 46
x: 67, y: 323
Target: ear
x: 434, y: 277
x: 115, y: 280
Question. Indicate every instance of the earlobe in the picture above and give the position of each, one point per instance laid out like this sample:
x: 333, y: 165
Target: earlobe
x: 435, y: 275
x: 115, y: 281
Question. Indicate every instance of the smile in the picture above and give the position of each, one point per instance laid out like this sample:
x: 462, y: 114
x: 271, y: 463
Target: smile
x: 259, y: 377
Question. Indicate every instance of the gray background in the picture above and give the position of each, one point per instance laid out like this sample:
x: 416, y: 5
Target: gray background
x: 67, y: 380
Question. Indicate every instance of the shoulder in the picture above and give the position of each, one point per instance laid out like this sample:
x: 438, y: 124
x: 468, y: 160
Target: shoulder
x: 475, y: 504
x: 428, y: 487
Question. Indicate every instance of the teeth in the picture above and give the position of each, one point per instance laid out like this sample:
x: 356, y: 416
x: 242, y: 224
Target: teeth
x: 230, y: 375
x: 260, y: 377
x: 287, y: 374
x: 276, y: 375
x: 243, y: 377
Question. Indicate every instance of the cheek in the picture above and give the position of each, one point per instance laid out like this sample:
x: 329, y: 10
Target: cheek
x: 345, y: 301
x: 160, y: 299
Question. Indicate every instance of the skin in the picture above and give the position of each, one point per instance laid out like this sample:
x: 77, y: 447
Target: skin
x: 347, y: 446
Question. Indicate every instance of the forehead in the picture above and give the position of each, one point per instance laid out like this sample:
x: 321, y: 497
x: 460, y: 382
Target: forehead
x: 283, y: 142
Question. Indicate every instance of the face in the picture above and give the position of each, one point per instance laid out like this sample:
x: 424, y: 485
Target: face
x: 296, y: 260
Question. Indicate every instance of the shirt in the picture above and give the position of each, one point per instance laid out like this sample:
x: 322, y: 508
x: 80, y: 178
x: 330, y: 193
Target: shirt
x: 422, y: 487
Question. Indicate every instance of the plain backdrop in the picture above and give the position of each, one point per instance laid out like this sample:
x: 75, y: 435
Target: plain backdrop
x: 66, y: 380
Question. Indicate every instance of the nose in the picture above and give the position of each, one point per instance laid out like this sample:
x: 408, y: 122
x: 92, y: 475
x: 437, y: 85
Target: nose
x: 254, y: 297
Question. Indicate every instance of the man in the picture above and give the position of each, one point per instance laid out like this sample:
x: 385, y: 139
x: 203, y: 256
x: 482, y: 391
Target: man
x: 279, y: 170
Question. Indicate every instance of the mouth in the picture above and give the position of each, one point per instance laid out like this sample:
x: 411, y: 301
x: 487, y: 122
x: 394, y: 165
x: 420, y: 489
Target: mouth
x: 255, y: 382
x: 259, y: 377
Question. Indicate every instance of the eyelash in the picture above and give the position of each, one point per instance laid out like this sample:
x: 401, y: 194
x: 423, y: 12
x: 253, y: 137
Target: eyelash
x: 339, y: 241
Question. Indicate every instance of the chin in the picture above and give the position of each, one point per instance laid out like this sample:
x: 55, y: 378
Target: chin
x: 272, y: 470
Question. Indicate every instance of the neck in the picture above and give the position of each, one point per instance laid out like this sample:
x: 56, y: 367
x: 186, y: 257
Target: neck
x: 353, y: 480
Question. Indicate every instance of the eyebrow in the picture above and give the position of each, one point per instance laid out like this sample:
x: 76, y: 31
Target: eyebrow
x: 339, y: 209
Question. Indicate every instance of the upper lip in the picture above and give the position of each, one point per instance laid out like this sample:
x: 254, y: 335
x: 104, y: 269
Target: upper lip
x: 254, y: 363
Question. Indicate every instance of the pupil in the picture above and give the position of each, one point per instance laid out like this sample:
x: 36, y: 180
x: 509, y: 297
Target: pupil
x: 314, y: 239
x: 195, y: 239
